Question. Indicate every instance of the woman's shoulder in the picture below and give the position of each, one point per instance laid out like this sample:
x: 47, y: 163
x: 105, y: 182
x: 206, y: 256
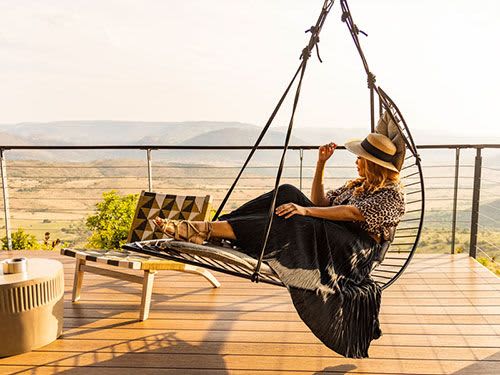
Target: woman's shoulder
x: 352, y: 184
x: 340, y: 194
x: 393, y: 186
x: 390, y: 191
x: 393, y: 191
x: 348, y: 185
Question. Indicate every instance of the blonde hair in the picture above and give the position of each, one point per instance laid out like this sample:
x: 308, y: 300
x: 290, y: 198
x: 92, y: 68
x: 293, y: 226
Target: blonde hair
x: 376, y: 177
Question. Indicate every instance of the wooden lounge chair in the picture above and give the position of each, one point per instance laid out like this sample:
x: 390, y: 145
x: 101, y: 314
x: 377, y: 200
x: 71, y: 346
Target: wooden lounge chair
x: 149, y: 206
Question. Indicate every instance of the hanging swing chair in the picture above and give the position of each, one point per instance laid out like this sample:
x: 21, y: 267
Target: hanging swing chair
x: 395, y: 252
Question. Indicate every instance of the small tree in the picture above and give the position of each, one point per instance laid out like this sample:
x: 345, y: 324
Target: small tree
x: 21, y: 241
x: 111, y: 223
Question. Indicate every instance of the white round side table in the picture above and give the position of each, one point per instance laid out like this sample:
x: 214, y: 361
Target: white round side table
x: 31, y: 306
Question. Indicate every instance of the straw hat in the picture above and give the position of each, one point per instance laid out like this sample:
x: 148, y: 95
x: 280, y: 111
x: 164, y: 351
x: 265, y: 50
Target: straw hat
x: 386, y: 147
x: 375, y: 147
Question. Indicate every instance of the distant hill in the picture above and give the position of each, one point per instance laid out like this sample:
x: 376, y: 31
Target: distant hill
x: 322, y: 135
x: 212, y: 133
x: 489, y: 216
x: 172, y: 133
x: 235, y: 136
x: 194, y: 133
x: 238, y: 137
x: 11, y: 139
x: 95, y: 133
x: 114, y: 132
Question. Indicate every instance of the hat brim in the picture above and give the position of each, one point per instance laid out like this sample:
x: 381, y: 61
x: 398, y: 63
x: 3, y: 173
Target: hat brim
x: 356, y: 148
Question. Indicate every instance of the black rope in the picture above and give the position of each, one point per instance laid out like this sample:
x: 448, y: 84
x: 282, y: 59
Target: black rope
x: 384, y: 100
x: 257, y: 143
x: 312, y: 30
x: 306, y: 52
x: 354, y: 31
x: 255, y: 276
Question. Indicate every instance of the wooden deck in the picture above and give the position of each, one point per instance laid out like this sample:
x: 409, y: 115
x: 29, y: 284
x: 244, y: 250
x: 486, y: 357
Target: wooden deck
x: 441, y: 317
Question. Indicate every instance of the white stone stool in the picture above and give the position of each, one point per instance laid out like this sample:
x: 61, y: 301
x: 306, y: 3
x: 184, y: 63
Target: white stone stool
x: 31, y: 306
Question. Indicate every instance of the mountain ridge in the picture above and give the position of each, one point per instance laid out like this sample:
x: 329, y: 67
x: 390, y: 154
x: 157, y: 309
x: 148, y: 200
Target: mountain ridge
x: 187, y: 133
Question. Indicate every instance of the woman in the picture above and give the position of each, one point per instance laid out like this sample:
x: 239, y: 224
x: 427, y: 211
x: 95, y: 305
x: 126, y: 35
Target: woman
x: 322, y: 248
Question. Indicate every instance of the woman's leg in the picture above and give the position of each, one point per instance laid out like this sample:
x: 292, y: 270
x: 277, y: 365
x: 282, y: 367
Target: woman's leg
x: 249, y: 221
x: 286, y: 194
x: 218, y: 229
x: 251, y: 216
x: 256, y: 209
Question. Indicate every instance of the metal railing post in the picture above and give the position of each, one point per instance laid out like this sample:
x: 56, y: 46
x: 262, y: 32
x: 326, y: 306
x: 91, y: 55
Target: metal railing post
x: 301, y: 156
x: 150, y: 171
x: 3, y: 168
x: 475, y: 203
x: 455, y: 198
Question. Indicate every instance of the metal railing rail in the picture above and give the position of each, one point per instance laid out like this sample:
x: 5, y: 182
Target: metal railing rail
x: 184, y: 147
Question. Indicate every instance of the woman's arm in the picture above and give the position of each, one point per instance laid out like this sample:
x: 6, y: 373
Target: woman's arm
x: 318, y: 196
x: 339, y: 213
x: 317, y: 190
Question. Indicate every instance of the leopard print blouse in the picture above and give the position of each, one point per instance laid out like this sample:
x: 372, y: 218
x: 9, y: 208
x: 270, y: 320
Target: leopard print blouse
x: 382, y: 209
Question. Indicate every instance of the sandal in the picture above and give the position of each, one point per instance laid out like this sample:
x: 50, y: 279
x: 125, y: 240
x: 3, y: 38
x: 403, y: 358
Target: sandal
x: 171, y: 228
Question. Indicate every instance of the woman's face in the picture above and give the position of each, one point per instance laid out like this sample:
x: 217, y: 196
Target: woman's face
x: 361, y: 165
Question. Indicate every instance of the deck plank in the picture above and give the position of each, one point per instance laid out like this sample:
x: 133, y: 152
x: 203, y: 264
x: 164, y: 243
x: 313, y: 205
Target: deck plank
x: 441, y: 317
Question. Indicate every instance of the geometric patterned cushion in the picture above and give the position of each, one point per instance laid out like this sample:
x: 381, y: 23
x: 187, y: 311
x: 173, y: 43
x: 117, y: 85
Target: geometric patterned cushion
x: 168, y: 206
x: 122, y: 258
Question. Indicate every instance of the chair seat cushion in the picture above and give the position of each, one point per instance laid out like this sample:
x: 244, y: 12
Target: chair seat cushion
x: 224, y: 254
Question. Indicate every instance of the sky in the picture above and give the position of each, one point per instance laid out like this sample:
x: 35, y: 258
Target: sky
x: 230, y: 60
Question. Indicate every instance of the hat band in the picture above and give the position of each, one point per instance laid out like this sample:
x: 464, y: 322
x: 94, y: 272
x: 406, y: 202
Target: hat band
x: 372, y: 150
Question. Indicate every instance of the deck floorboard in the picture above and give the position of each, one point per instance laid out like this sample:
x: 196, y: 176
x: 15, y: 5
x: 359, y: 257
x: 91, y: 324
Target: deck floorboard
x: 441, y: 317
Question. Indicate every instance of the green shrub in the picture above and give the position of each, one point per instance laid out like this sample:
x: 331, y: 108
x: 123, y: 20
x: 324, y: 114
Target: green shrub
x: 483, y: 261
x: 21, y: 241
x: 491, y: 265
x: 112, y: 221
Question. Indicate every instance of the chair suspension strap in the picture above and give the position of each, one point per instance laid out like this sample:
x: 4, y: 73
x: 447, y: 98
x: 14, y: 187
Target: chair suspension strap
x: 354, y: 31
x: 256, y: 145
x: 313, y: 42
x: 383, y: 102
x: 306, y: 53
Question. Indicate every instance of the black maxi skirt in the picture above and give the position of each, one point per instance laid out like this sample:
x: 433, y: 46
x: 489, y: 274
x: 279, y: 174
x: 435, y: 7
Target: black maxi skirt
x: 325, y: 265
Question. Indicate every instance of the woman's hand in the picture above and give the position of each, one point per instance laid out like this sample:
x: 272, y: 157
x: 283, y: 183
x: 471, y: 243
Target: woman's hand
x: 290, y: 209
x: 326, y: 151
